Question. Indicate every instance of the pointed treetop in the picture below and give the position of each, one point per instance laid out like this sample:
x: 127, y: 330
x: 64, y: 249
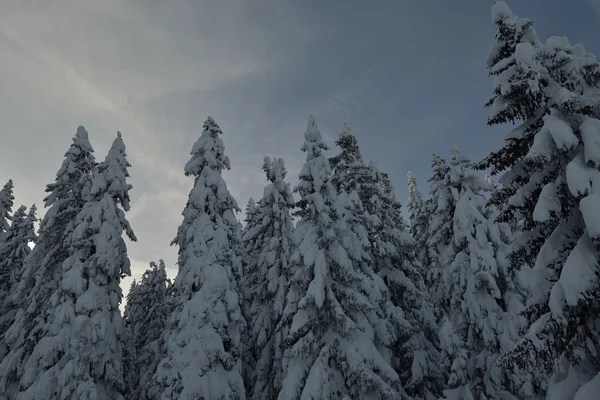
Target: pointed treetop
x: 208, y: 151
x: 112, y: 174
x: 500, y: 11
x: 274, y: 169
x: 81, y: 139
x: 414, y: 194
x: 118, y: 134
x: 350, y: 149
x: 6, y: 203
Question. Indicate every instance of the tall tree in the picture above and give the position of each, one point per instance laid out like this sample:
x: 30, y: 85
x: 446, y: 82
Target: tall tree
x: 482, y: 297
x: 439, y: 231
x: 149, y: 305
x: 338, y: 341
x: 552, y: 162
x: 79, y: 355
x: 273, y: 238
x: 392, y: 254
x: 6, y: 204
x: 203, y: 338
x: 419, y: 219
x: 13, y: 252
x: 416, y: 350
x: 43, y: 267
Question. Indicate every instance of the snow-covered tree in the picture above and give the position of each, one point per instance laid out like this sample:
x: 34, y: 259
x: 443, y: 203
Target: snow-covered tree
x: 338, y: 346
x: 272, y: 235
x: 416, y: 353
x: 6, y: 204
x: 392, y: 252
x: 149, y: 305
x: 552, y: 161
x: 440, y: 207
x: 79, y: 355
x: 419, y: 218
x: 43, y: 267
x: 202, y: 341
x: 13, y: 252
x: 480, y: 296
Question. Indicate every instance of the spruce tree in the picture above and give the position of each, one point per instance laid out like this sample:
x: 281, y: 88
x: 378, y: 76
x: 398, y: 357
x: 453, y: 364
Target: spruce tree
x: 350, y: 173
x: 202, y: 341
x: 338, y: 341
x: 483, y: 300
x: 6, y: 204
x: 272, y: 236
x: 419, y: 219
x: 416, y: 349
x: 439, y: 231
x: 149, y: 305
x: 392, y: 252
x: 551, y: 161
x: 13, y: 252
x: 79, y: 355
x: 43, y: 267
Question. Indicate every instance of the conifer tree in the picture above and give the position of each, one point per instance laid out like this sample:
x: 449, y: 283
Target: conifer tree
x: 43, y: 267
x: 338, y: 341
x: 350, y: 173
x: 202, y: 341
x: 416, y: 350
x: 79, y: 355
x: 149, y: 305
x: 552, y: 161
x: 419, y: 219
x: 439, y: 231
x: 6, y: 204
x: 272, y: 235
x: 13, y: 252
x: 392, y: 253
x: 481, y: 297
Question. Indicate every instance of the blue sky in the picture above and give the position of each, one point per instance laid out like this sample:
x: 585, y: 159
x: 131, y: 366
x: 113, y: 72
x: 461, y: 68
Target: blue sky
x: 409, y: 76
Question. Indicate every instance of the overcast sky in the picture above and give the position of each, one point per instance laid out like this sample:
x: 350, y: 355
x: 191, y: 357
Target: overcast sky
x: 409, y: 76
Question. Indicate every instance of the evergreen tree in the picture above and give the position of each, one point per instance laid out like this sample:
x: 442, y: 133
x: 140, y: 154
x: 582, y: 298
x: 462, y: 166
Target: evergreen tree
x: 273, y: 238
x: 42, y: 271
x: 419, y: 219
x: 79, y: 355
x: 551, y: 160
x: 338, y: 341
x: 13, y: 252
x: 439, y: 231
x: 416, y: 351
x: 6, y: 204
x: 481, y: 297
x: 202, y: 341
x: 392, y: 252
x: 350, y: 173
x: 149, y: 305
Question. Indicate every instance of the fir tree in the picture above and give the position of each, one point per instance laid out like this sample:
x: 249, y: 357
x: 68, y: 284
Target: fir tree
x: 43, y: 267
x: 392, y: 252
x: 350, y: 173
x: 338, y: 341
x: 272, y: 235
x: 149, y: 305
x: 13, y: 252
x: 416, y: 351
x: 481, y: 297
x: 79, y: 355
x: 419, y: 219
x: 551, y: 161
x: 202, y: 341
x: 6, y: 204
x: 439, y: 231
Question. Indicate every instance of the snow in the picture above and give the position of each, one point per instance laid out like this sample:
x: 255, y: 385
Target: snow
x: 501, y: 10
